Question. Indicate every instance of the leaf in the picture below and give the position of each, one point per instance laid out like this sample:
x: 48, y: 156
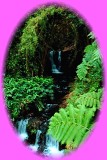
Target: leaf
x: 70, y: 124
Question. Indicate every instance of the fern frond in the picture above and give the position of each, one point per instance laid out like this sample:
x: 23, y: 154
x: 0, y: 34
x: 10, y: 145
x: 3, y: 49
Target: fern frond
x: 67, y: 135
x: 90, y: 99
x: 78, y: 138
x: 72, y: 124
x: 73, y: 134
x: 71, y: 111
x: 87, y: 117
x: 62, y: 135
x: 63, y: 114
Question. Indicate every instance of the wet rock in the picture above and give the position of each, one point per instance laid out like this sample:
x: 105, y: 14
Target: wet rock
x: 32, y: 127
x: 49, y: 110
x: 43, y: 127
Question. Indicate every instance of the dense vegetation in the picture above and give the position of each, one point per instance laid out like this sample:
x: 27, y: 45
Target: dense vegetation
x: 27, y: 85
x: 47, y: 29
x: 72, y: 124
x: 22, y: 93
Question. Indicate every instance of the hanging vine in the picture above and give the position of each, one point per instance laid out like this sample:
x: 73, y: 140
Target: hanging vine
x: 48, y: 28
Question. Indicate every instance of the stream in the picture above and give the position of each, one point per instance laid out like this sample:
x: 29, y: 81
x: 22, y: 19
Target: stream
x: 45, y: 144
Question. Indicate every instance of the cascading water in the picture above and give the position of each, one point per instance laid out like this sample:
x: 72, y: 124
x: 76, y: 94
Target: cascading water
x: 59, y: 59
x: 55, y: 69
x: 52, y: 147
x: 22, y: 129
x: 45, y: 143
x: 36, y: 145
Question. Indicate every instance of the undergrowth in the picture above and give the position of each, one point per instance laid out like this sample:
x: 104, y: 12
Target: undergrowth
x: 20, y: 93
x: 73, y: 124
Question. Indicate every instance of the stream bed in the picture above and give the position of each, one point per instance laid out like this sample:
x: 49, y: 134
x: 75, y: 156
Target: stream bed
x: 42, y: 142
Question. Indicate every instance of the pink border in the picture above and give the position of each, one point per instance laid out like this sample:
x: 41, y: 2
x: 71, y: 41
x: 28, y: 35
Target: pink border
x: 11, y: 12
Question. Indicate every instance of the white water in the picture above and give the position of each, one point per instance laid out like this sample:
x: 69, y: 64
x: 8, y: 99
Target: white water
x: 59, y: 59
x: 54, y: 68
x: 36, y: 145
x: 22, y: 129
x: 52, y: 148
x: 51, y: 145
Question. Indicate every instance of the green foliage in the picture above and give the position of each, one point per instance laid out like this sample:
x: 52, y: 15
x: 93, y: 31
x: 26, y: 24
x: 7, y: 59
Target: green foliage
x: 71, y: 125
x: 41, y: 32
x: 44, y: 25
x: 20, y: 93
x: 90, y: 99
x: 29, y: 38
x: 88, y: 84
x: 90, y: 70
x: 50, y: 27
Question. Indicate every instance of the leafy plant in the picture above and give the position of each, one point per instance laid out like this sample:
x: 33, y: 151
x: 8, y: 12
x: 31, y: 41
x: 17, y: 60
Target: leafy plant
x: 71, y: 125
x: 20, y: 93
x: 51, y: 27
x: 90, y: 70
x: 90, y: 99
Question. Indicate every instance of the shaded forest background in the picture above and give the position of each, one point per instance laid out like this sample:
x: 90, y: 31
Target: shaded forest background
x: 29, y: 83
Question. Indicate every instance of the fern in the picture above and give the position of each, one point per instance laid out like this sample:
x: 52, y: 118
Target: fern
x: 70, y: 125
x: 90, y: 99
x: 91, y: 67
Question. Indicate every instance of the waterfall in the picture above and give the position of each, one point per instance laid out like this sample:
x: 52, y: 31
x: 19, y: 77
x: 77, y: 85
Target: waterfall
x: 52, y: 148
x: 22, y: 129
x: 36, y: 145
x: 59, y: 59
x: 59, y: 56
x: 55, y: 69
